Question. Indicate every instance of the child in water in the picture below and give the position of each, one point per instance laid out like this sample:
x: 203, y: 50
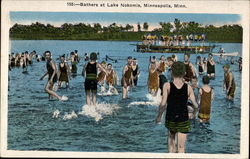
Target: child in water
x: 174, y: 102
x: 206, y: 98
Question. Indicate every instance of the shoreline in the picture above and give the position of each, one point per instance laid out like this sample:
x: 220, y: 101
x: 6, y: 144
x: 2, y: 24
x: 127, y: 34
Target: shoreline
x: 118, y: 40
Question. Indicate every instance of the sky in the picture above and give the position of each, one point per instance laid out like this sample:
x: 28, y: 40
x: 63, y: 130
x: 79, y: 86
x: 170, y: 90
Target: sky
x: 153, y: 19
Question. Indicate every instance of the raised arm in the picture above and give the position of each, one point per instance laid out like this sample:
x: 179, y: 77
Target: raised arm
x: 163, y: 104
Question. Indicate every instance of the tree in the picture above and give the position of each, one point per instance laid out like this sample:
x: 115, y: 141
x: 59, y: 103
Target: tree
x: 145, y: 26
x: 177, y: 25
x: 139, y: 26
x: 166, y: 27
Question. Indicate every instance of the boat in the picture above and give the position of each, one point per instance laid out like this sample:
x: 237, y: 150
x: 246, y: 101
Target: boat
x: 174, y: 49
x: 226, y: 54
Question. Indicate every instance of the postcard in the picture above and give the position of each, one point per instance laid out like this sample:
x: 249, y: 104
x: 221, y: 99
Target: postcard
x: 125, y: 79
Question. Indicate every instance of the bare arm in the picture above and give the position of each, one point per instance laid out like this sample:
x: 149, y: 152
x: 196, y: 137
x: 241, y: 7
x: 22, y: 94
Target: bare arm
x: 163, y: 103
x: 212, y: 94
x: 192, y: 98
x: 43, y: 76
x: 101, y: 68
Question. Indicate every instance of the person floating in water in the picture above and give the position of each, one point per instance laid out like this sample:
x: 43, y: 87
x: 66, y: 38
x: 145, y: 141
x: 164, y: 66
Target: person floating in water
x: 174, y: 102
x: 101, y: 77
x: 90, y: 74
x: 136, y: 71
x: 190, y: 72
x: 127, y: 78
x: 206, y: 98
x: 210, y: 66
x: 111, y: 79
x: 64, y: 72
x: 51, y: 71
x: 229, y: 83
x: 153, y: 77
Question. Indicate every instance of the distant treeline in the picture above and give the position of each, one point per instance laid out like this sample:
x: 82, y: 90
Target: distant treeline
x: 81, y: 31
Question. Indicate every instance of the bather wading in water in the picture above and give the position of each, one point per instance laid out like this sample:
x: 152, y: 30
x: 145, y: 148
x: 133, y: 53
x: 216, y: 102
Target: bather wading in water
x: 51, y: 71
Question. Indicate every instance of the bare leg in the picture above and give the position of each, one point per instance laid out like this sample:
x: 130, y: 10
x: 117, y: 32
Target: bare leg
x: 171, y: 142
x: 88, y: 97
x: 181, y: 142
x: 124, y: 92
x: 94, y: 97
x: 49, y: 90
x: 59, y: 84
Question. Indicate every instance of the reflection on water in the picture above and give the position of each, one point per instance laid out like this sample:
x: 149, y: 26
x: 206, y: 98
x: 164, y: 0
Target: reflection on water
x: 115, y: 125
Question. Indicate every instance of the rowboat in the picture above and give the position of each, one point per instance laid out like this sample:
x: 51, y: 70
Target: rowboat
x: 226, y: 54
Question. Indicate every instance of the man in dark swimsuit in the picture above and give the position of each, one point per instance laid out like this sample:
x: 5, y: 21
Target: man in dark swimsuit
x: 51, y: 71
x: 90, y: 74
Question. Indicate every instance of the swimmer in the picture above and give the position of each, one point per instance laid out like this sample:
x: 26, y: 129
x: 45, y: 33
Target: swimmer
x: 51, y: 71
x: 210, y: 66
x: 111, y: 79
x: 175, y: 97
x: 136, y: 71
x: 127, y: 78
x: 90, y: 74
x: 190, y: 72
x: 206, y: 98
x: 153, y: 77
x: 101, y: 77
x: 64, y: 72
x: 229, y: 83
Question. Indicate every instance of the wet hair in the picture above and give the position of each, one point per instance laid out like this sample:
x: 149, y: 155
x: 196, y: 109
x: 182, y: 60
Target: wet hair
x: 178, y: 69
x: 173, y: 56
x: 210, y: 54
x: 93, y: 56
x: 134, y: 59
x: 130, y: 57
x: 205, y: 80
x: 153, y: 57
x: 109, y: 64
x: 187, y: 55
x: 46, y: 52
x: 76, y: 51
x: 72, y: 53
x: 103, y: 62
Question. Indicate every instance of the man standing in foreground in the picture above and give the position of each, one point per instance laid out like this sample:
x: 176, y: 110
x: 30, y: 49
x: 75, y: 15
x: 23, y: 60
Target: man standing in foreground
x: 51, y: 71
x: 174, y: 101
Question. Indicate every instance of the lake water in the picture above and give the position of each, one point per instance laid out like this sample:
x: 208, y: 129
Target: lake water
x: 115, y: 125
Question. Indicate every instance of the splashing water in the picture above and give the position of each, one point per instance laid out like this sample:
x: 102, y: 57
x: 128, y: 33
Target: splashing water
x: 56, y: 114
x: 97, y: 112
x: 153, y: 100
x: 70, y: 116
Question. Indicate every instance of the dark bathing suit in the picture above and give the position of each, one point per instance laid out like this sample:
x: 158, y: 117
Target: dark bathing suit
x: 189, y: 73
x: 134, y: 74
x: 50, y: 72
x: 177, y: 113
x: 210, y: 68
x: 91, y: 77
